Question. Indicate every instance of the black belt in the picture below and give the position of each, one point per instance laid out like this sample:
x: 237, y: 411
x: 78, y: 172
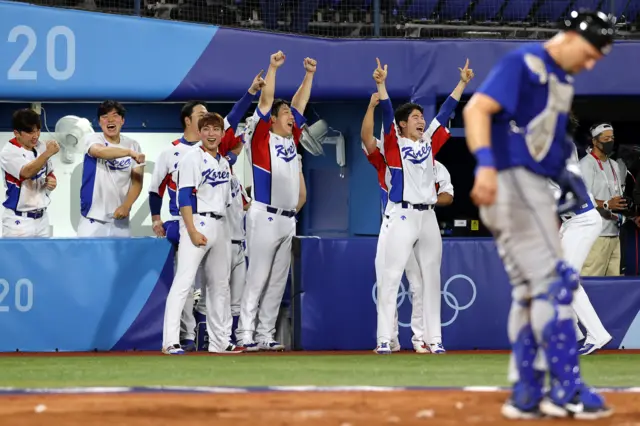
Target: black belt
x: 35, y: 214
x: 236, y: 242
x: 213, y: 215
x: 287, y: 213
x: 419, y: 207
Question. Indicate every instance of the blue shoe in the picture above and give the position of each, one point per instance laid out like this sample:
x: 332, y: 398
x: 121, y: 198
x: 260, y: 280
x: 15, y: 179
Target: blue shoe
x: 383, y: 349
x: 249, y: 347
x: 586, y: 404
x: 188, y: 345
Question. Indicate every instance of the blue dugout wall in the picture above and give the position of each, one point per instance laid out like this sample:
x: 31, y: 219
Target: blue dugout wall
x: 87, y: 294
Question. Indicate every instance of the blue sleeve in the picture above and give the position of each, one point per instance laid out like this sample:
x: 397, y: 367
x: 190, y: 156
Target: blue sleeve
x: 387, y: 115
x: 184, y: 196
x: 155, y: 203
x: 446, y: 110
x: 239, y: 109
x: 231, y: 158
x: 504, y: 82
x: 300, y: 120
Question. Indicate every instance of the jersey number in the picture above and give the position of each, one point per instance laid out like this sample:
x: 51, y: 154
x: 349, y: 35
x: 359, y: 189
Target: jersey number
x: 16, y: 71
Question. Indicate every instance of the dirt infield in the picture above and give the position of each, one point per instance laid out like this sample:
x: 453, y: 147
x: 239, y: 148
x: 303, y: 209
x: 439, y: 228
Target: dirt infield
x: 282, y: 408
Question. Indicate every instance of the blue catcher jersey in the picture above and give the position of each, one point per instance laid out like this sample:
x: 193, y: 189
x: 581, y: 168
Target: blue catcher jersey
x: 536, y: 96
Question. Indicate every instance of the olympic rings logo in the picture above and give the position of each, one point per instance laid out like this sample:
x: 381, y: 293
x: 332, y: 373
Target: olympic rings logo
x: 449, y: 298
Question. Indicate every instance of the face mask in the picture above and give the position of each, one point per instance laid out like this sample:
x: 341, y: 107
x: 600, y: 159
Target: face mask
x: 606, y: 148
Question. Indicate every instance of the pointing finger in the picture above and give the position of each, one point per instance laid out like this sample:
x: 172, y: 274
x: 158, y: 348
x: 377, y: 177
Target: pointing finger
x: 385, y: 68
x: 466, y: 65
x: 378, y: 61
x: 259, y: 76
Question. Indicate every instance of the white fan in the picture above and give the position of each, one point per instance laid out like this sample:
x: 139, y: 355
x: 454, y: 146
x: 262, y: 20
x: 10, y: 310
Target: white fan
x: 69, y: 131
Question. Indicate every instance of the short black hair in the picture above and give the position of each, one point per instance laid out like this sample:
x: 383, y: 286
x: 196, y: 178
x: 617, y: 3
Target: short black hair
x: 187, y: 110
x: 277, y: 104
x: 107, y: 106
x: 25, y: 120
x: 404, y: 111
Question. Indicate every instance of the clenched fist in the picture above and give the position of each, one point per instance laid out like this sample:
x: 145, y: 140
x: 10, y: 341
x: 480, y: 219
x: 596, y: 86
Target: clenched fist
x: 277, y: 59
x: 52, y: 147
x: 310, y: 65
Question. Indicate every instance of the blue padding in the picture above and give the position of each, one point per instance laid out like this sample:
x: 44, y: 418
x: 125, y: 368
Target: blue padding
x: 80, y: 295
x: 517, y: 11
x: 551, y: 11
x: 487, y: 10
x: 336, y: 278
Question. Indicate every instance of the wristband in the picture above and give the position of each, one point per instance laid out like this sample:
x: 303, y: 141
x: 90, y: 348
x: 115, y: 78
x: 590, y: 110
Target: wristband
x: 484, y: 157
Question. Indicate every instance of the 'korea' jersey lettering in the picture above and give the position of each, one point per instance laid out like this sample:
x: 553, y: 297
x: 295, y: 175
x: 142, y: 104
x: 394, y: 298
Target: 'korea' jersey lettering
x: 24, y: 195
x: 535, y: 94
x: 105, y: 183
x: 411, y: 164
x: 274, y: 161
x: 209, y: 177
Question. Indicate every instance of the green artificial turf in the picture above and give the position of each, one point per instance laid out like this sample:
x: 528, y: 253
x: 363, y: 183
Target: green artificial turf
x: 323, y: 370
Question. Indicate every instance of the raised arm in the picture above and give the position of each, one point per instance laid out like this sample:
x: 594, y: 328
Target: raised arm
x: 301, y: 98
x: 380, y: 77
x: 32, y: 168
x: 366, y: 131
x: 269, y: 89
x: 450, y: 104
x: 241, y: 107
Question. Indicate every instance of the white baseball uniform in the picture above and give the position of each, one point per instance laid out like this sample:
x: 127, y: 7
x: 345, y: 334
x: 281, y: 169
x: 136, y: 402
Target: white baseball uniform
x: 26, y: 200
x: 270, y: 225
x: 105, y: 184
x: 411, y: 224
x: 578, y: 232
x: 165, y: 175
x: 207, y: 178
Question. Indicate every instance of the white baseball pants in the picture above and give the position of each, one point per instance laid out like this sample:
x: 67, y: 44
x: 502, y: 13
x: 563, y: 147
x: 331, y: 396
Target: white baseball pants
x: 216, y: 259
x: 407, y: 230
x: 269, y: 239
x: 578, y: 235
x: 15, y: 226
x: 91, y: 228
x: 188, y: 320
x: 236, y: 283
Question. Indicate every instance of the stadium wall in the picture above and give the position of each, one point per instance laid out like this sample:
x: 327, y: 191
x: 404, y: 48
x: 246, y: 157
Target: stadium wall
x: 108, y: 294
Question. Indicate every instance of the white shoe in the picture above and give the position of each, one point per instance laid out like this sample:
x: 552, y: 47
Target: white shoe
x: 383, y: 348
x: 590, y: 347
x: 420, y: 347
x: 271, y: 346
x: 436, y: 348
x: 173, y: 350
x: 395, y: 346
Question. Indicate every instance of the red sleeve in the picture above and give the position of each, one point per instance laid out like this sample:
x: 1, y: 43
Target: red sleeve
x: 297, y: 133
x: 439, y: 138
x: 229, y: 141
x: 52, y: 175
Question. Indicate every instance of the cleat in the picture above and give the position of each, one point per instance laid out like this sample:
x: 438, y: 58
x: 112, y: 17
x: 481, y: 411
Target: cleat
x: 173, y: 350
x: 421, y: 348
x: 437, y: 348
x: 271, y: 346
x: 586, y: 404
x: 188, y: 345
x: 230, y: 350
x: 383, y: 349
x: 512, y: 412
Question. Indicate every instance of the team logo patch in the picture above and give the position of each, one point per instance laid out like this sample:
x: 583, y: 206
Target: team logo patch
x: 416, y: 156
x: 286, y: 153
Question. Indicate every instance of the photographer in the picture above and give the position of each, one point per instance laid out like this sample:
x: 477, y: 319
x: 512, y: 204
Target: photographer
x: 604, y: 180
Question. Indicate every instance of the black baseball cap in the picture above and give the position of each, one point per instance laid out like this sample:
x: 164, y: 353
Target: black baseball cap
x: 595, y: 27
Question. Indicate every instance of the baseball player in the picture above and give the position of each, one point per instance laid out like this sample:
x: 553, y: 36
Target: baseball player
x: 579, y: 231
x: 445, y: 197
x: 111, y: 182
x: 272, y: 135
x: 28, y: 175
x: 165, y: 176
x: 411, y: 226
x: 204, y: 193
x: 515, y: 125
x: 240, y: 203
